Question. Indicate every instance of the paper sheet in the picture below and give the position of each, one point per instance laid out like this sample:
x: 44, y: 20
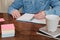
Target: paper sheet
x: 42, y: 21
x: 7, y: 27
x: 2, y: 19
x: 26, y: 17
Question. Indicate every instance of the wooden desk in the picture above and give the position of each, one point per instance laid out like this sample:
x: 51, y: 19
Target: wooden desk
x: 24, y: 30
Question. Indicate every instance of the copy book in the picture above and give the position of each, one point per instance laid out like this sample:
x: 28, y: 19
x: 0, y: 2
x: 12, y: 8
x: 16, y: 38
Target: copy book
x: 53, y: 34
x: 46, y: 35
x: 30, y: 18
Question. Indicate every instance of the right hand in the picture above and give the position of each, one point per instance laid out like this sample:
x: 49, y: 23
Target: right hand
x: 15, y: 14
x: 40, y: 15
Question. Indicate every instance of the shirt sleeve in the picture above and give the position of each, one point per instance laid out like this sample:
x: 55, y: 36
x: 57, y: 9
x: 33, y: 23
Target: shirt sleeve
x: 55, y: 4
x: 16, y: 5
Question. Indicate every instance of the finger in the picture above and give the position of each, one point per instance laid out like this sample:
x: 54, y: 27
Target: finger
x: 42, y: 17
x: 12, y: 15
x: 39, y: 16
x: 35, y: 16
x: 17, y: 15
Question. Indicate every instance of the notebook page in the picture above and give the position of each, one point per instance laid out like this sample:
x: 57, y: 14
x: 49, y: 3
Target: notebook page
x: 42, y: 21
x: 26, y: 17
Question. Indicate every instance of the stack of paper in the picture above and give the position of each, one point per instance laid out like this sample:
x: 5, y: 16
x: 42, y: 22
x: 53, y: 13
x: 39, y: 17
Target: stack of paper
x: 29, y: 18
x: 8, y: 30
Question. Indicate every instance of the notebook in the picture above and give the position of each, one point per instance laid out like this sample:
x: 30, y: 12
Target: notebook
x: 53, y: 34
x: 27, y: 17
x: 46, y: 35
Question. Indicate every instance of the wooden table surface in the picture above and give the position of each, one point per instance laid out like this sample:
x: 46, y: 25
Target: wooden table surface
x: 24, y: 30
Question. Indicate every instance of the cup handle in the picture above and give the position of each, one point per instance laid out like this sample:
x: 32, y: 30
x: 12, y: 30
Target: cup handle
x: 59, y: 18
x: 59, y: 25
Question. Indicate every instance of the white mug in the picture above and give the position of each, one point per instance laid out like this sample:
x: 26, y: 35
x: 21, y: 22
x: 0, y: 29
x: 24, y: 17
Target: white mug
x: 52, y: 22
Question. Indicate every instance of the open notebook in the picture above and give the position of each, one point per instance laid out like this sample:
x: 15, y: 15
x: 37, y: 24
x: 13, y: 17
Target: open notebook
x: 29, y: 18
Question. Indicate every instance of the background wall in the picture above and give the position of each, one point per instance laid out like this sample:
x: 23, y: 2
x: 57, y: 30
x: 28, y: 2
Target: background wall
x: 4, y: 4
x: 0, y: 5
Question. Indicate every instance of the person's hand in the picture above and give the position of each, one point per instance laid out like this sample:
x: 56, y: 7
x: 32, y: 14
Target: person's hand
x: 40, y: 15
x: 15, y: 14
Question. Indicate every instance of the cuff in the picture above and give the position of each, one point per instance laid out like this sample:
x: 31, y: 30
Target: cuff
x: 49, y: 12
x: 10, y: 10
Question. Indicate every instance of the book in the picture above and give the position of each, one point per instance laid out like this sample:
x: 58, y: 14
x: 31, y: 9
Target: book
x: 46, y: 35
x: 52, y: 34
x: 27, y: 17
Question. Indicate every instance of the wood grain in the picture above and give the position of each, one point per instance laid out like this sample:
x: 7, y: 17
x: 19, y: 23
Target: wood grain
x: 24, y: 30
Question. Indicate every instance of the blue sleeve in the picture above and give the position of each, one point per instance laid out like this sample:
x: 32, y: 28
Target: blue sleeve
x: 17, y: 4
x: 55, y: 8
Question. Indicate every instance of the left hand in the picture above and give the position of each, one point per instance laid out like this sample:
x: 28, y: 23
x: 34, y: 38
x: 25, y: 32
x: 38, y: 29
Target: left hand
x: 40, y: 15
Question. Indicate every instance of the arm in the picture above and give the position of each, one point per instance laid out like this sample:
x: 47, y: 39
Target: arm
x: 15, y: 6
x: 55, y: 8
x: 55, y: 4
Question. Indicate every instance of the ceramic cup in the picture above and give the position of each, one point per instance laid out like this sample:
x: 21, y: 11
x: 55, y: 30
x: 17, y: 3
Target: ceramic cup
x: 52, y: 22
